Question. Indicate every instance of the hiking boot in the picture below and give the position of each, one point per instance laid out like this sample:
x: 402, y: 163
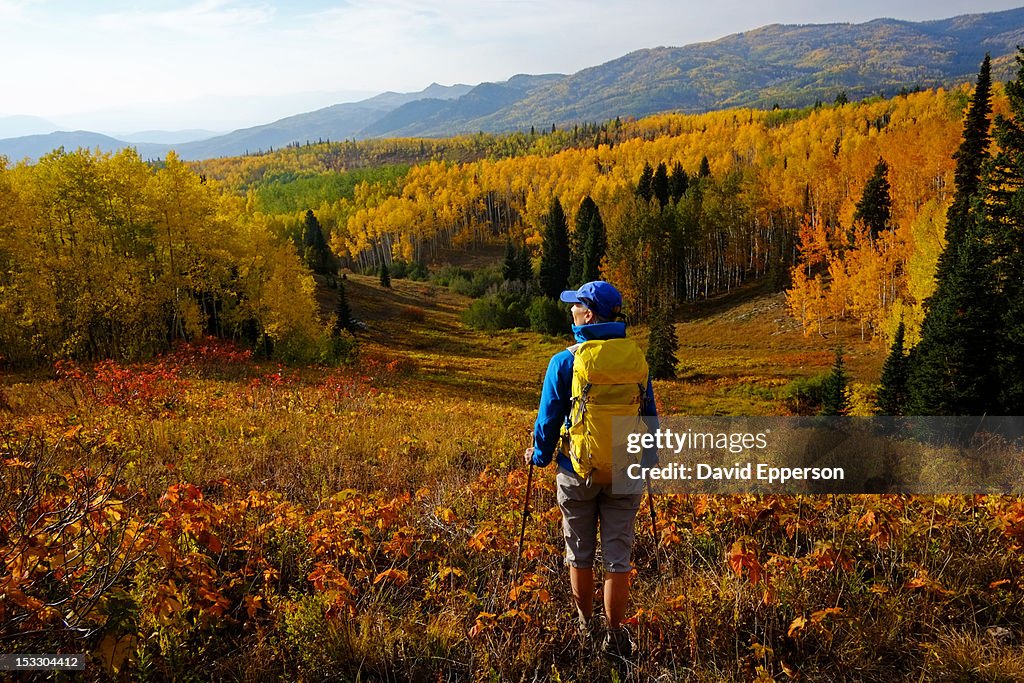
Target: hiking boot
x: 618, y: 643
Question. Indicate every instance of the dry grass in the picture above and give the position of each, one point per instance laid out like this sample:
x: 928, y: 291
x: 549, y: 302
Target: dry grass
x: 402, y: 477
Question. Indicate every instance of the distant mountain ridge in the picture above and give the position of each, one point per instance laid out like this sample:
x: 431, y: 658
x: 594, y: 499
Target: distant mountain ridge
x: 35, y: 146
x: 788, y: 65
x: 426, y: 117
x: 337, y: 122
x: 168, y: 137
x: 779, y: 64
x: 17, y: 126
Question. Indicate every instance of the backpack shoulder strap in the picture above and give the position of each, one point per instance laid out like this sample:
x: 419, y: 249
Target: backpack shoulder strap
x: 574, y: 348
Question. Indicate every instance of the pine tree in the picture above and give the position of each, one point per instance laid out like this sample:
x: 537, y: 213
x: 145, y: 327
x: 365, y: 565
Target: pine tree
x: 678, y: 182
x: 342, y: 313
x: 892, y: 393
x: 970, y: 158
x: 705, y: 168
x: 874, y: 209
x: 659, y: 185
x: 315, y: 252
x: 524, y: 265
x: 662, y: 344
x: 951, y: 369
x: 510, y: 266
x: 554, y: 261
x: 595, y: 247
x: 1010, y: 355
x: 589, y: 243
x: 645, y: 186
x: 580, y: 237
x: 834, y: 398
x: 385, y: 275
x: 1000, y: 210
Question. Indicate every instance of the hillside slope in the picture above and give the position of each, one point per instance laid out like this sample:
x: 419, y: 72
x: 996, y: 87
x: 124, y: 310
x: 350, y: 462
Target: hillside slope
x: 736, y: 352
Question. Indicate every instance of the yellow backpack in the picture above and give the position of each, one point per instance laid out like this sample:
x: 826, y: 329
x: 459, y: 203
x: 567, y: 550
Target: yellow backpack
x: 609, y: 379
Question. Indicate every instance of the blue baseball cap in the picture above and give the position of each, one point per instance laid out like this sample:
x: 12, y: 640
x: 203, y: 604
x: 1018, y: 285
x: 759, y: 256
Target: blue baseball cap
x: 598, y: 296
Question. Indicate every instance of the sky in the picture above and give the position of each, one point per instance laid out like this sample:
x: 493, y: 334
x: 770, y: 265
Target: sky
x: 122, y: 66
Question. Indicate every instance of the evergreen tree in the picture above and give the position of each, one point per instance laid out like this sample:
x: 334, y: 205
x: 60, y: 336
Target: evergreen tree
x: 678, y: 181
x: 705, y: 168
x: 645, y: 186
x: 892, y: 393
x: 595, y: 247
x: 580, y: 237
x: 834, y: 399
x: 659, y: 185
x: 315, y: 252
x: 385, y: 275
x: 662, y: 344
x: 970, y: 158
x: 874, y: 209
x: 342, y: 313
x: 510, y: 266
x: 1010, y: 354
x: 554, y: 261
x: 1000, y: 212
x: 951, y: 372
x: 525, y: 265
x: 589, y: 243
x: 951, y: 369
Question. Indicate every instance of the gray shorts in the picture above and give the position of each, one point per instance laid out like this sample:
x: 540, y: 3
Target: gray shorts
x: 582, y: 506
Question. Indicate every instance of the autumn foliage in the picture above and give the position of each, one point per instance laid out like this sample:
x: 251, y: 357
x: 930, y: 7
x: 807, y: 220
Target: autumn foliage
x: 258, y: 521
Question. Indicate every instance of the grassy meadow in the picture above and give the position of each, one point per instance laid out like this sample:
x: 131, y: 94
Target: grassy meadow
x: 205, y: 516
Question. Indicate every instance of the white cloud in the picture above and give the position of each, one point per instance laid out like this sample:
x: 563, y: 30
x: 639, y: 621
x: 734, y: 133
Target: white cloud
x: 14, y: 11
x: 207, y: 17
x: 402, y: 44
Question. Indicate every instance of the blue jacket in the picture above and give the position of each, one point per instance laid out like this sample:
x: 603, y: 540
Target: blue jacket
x: 554, y: 397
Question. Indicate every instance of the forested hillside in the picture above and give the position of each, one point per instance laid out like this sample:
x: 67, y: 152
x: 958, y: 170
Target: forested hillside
x: 734, y: 196
x: 772, y: 178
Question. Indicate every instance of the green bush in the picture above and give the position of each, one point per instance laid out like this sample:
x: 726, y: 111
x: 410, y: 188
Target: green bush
x: 418, y: 271
x: 295, y: 347
x: 751, y: 391
x: 337, y: 350
x: 445, y: 275
x: 399, y: 269
x: 496, y: 312
x: 803, y: 395
x: 460, y: 284
x: 486, y: 279
x: 469, y: 282
x: 411, y: 270
x: 548, y: 316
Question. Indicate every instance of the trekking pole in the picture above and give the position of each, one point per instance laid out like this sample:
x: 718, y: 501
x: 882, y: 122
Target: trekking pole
x: 522, y: 530
x: 654, y: 527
